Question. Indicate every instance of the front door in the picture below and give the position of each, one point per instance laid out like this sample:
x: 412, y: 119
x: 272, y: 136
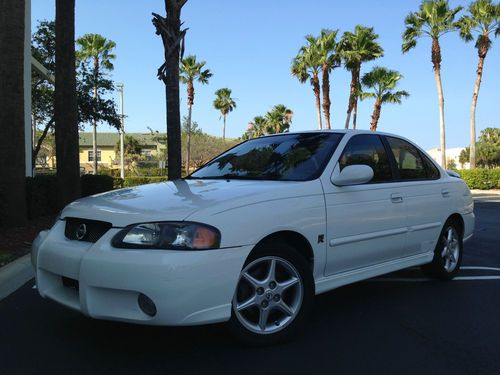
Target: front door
x: 366, y: 224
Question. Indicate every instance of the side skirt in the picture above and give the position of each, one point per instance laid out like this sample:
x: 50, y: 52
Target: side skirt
x: 324, y: 284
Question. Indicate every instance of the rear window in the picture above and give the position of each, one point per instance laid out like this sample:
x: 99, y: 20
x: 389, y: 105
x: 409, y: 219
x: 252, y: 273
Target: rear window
x: 410, y: 164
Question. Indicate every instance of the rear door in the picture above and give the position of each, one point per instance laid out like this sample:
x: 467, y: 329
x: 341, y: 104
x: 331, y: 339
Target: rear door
x: 366, y: 224
x: 426, y: 195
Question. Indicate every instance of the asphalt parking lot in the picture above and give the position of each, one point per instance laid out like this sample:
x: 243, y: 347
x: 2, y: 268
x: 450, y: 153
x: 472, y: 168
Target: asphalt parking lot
x: 399, y: 323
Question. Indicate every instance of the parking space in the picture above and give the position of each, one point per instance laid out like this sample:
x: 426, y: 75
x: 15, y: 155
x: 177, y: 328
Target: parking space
x: 399, y: 323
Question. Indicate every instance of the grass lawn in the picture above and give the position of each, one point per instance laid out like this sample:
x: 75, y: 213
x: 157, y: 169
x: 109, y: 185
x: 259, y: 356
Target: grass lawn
x: 16, y: 242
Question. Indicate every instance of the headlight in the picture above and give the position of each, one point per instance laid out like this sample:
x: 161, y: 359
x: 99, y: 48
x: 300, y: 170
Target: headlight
x: 168, y: 235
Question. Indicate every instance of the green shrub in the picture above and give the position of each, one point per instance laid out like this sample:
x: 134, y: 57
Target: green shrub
x: 481, y: 178
x: 151, y: 171
x: 141, y: 180
x: 42, y: 195
x: 94, y: 184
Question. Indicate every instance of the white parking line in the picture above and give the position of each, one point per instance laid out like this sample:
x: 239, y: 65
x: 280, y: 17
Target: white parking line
x: 421, y: 279
x: 479, y: 268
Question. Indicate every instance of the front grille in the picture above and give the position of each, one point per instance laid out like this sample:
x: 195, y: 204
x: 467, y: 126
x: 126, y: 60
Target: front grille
x: 85, y: 230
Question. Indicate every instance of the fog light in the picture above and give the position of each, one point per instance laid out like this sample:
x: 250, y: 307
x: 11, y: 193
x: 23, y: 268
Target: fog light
x: 146, y: 305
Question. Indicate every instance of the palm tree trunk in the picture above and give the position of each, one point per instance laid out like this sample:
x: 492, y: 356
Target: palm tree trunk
x: 317, y: 95
x: 376, y: 114
x: 224, y: 128
x: 12, y: 141
x: 188, y: 152
x: 326, y: 95
x: 94, y: 137
x: 436, y: 61
x: 355, y: 113
x: 352, y: 96
x: 482, y: 55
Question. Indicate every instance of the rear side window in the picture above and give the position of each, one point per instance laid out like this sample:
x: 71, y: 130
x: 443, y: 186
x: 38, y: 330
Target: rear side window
x: 432, y: 171
x: 367, y: 149
x: 408, y: 160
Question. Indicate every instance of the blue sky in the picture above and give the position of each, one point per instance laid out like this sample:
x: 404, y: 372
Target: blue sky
x: 248, y: 45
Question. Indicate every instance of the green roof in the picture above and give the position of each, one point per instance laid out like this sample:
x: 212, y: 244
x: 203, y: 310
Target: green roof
x: 111, y: 139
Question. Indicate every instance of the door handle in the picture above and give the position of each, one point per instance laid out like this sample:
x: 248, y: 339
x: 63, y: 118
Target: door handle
x: 445, y: 193
x: 396, y: 198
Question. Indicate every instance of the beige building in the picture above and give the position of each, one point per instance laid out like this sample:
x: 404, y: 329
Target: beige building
x: 452, y: 156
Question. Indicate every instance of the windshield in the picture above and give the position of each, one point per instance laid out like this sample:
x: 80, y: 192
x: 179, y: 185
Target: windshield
x: 289, y: 157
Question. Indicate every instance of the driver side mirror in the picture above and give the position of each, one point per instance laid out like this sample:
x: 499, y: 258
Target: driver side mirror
x: 353, y: 175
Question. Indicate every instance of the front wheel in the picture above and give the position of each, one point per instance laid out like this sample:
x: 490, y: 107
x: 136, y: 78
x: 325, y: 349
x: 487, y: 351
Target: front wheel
x: 448, y: 253
x: 273, y: 296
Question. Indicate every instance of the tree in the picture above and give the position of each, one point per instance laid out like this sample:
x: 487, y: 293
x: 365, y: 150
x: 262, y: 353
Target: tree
x: 278, y: 119
x: 104, y: 109
x: 433, y: 19
x: 65, y: 104
x: 329, y: 59
x: 482, y: 20
x: 307, y: 66
x: 382, y: 81
x: 225, y: 104
x: 356, y: 48
x: 191, y: 71
x: 13, y: 186
x: 487, y: 149
x: 96, y: 48
x: 169, y: 28
x: 131, y: 150
x: 256, y: 128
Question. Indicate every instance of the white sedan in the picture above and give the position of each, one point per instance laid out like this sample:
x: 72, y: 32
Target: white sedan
x: 253, y: 235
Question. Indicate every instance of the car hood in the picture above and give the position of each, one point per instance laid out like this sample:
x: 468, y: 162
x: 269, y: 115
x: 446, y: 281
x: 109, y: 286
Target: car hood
x: 177, y: 200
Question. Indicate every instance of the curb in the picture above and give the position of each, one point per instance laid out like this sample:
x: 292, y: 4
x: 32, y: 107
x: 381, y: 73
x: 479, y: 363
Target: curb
x: 14, y: 275
x: 479, y: 193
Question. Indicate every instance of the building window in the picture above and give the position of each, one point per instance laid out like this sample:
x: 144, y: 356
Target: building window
x: 91, y: 155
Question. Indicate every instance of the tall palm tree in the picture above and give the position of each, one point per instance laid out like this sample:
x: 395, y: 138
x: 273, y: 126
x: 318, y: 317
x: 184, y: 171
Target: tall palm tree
x: 329, y: 59
x: 191, y: 71
x: 356, y: 48
x: 12, y: 141
x: 98, y: 50
x: 482, y: 19
x: 278, y: 119
x: 307, y: 66
x: 256, y: 128
x: 225, y: 104
x: 65, y: 104
x: 382, y: 81
x: 433, y: 19
x: 169, y: 28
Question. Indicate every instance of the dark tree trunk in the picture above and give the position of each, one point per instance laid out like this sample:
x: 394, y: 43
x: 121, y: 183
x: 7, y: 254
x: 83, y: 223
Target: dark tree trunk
x: 317, y: 95
x: 40, y: 140
x: 65, y: 104
x: 376, y: 114
x: 190, y: 97
x: 352, y: 94
x: 326, y: 95
x: 12, y: 142
x: 170, y: 30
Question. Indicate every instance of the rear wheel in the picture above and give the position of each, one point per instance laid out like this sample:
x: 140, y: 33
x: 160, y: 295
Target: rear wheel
x: 448, y: 253
x: 274, y: 295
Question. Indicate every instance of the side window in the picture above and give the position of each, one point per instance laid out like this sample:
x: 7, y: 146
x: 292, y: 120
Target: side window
x: 408, y: 160
x: 432, y: 171
x: 367, y: 149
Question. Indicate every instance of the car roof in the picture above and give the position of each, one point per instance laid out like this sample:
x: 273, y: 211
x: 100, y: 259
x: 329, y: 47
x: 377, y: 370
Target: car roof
x: 343, y: 131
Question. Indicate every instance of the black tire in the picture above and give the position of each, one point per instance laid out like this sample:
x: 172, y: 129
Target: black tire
x: 438, y: 269
x: 290, y: 256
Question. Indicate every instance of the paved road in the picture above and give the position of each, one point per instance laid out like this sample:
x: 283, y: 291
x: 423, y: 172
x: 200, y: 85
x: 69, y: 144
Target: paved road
x: 401, y: 323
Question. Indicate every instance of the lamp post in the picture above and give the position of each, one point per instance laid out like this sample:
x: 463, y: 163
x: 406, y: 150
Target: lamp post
x: 122, y: 131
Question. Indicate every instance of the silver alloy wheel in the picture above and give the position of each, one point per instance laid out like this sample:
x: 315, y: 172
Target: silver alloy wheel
x: 451, y: 249
x: 268, y: 296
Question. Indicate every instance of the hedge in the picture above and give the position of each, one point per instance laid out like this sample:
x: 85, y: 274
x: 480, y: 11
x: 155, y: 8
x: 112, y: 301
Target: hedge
x: 141, y: 180
x: 481, y: 178
x: 94, y: 184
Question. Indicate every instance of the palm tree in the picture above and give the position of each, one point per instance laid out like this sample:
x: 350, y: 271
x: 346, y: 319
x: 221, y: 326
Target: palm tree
x: 225, y: 104
x: 278, y: 119
x: 65, y: 104
x: 191, y: 71
x: 12, y: 141
x: 256, y: 128
x: 98, y: 50
x: 169, y: 28
x: 307, y: 66
x: 356, y: 48
x: 329, y: 59
x: 382, y: 81
x: 483, y: 19
x: 433, y: 19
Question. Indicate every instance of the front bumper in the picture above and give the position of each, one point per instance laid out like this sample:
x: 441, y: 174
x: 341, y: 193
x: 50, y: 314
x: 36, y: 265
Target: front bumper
x: 187, y: 287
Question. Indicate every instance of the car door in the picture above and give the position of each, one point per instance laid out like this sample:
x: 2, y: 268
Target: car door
x: 366, y: 224
x: 427, y: 197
